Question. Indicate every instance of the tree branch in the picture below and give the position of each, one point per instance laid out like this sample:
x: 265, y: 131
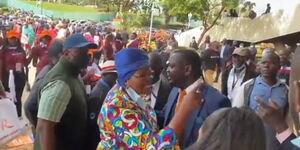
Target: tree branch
x: 216, y: 19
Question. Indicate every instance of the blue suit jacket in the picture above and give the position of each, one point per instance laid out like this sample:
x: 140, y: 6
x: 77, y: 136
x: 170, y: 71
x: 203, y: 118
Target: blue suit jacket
x: 213, y: 100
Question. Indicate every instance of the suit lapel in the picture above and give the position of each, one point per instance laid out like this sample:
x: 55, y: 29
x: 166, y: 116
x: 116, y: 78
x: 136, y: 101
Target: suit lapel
x: 162, y: 87
x: 159, y: 93
x: 189, y: 126
x: 171, y: 101
x: 195, y: 116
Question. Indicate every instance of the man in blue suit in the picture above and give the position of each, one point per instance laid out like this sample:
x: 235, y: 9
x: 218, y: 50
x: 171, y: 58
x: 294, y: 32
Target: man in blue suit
x: 184, y: 70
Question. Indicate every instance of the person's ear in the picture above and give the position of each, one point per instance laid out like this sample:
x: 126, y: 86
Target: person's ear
x: 187, y: 70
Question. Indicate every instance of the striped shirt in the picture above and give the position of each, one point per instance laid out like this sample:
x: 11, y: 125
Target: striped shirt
x: 55, y: 97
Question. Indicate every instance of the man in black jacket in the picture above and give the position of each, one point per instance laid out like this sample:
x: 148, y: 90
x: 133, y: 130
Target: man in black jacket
x: 161, y: 87
x: 211, y: 63
x: 31, y: 105
x: 96, y: 99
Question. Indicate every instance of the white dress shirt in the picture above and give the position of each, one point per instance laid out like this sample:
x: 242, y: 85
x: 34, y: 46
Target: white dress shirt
x: 154, y: 93
x: 234, y: 81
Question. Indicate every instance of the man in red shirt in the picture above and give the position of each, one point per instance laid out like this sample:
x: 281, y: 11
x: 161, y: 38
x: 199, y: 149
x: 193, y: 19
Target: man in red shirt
x: 39, y: 53
x: 134, y: 41
x: 118, y: 43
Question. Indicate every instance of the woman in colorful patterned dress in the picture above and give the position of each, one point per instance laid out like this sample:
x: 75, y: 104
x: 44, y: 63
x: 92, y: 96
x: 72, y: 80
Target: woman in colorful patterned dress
x: 126, y: 121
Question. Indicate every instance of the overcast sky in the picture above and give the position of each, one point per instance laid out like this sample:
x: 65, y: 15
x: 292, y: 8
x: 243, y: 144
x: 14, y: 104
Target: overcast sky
x: 261, y: 5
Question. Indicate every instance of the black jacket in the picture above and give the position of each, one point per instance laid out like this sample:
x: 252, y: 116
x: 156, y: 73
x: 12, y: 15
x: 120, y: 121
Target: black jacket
x: 31, y: 104
x: 94, y: 103
x: 163, y: 93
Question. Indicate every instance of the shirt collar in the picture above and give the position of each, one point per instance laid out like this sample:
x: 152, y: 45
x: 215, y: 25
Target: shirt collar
x: 261, y: 81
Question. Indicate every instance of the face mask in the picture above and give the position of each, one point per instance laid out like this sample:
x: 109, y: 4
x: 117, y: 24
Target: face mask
x: 136, y: 97
x: 43, y: 45
x: 81, y: 60
x: 238, y: 68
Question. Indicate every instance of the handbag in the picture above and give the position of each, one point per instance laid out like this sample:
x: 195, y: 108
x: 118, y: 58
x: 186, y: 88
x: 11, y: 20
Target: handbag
x: 10, y: 125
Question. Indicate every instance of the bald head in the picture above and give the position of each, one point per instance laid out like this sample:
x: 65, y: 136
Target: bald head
x: 155, y: 63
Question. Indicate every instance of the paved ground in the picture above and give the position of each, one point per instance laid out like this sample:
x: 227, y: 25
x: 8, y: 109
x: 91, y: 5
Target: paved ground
x: 24, y: 97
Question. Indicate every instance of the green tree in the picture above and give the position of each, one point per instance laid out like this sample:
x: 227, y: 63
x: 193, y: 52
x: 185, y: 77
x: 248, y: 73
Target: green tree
x: 126, y: 5
x: 208, y: 11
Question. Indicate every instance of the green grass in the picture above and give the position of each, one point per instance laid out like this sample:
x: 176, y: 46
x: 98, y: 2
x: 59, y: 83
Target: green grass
x: 62, y: 7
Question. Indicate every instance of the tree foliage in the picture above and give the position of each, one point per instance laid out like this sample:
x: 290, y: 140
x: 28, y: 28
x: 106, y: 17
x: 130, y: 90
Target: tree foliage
x: 208, y: 11
x: 126, y: 5
x: 112, y: 5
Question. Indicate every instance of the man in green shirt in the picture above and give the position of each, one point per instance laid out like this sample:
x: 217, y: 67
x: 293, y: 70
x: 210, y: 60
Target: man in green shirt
x: 62, y: 113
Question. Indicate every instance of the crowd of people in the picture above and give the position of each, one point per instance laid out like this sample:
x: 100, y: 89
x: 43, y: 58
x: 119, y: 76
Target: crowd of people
x: 96, y: 87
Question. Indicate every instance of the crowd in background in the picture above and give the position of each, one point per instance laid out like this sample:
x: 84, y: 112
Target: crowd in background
x: 98, y: 87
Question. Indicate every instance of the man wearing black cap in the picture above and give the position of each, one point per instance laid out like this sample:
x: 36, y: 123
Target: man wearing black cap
x: 62, y: 113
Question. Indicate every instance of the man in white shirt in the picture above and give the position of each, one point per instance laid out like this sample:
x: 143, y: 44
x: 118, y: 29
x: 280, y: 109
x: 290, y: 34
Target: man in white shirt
x: 237, y: 73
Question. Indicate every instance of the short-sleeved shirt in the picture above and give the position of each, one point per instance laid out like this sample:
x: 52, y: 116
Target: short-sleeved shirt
x: 277, y: 92
x: 119, y: 45
x: 108, y: 52
x: 13, y: 58
x: 134, y: 44
x: 54, y: 99
x: 42, y: 54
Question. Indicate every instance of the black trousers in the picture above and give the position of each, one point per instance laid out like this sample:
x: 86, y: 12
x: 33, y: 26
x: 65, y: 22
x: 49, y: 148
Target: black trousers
x: 20, y: 81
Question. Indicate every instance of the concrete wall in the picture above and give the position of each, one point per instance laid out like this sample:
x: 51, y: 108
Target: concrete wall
x: 265, y: 27
x: 262, y: 28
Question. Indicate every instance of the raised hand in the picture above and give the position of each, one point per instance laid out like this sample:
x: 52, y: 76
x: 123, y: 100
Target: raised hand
x: 271, y: 114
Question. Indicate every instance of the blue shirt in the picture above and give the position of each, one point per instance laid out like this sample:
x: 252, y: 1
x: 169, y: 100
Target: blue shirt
x: 277, y: 92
